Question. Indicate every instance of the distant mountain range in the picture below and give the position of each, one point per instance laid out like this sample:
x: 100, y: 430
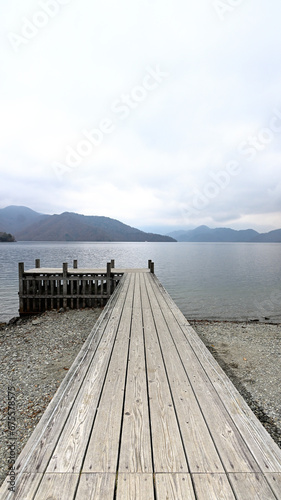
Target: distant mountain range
x: 28, y: 225
x: 223, y: 234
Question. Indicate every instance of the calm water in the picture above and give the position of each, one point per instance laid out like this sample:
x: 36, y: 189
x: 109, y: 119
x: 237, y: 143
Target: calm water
x: 206, y: 280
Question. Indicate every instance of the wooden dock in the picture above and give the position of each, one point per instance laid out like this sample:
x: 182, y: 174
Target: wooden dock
x: 146, y: 413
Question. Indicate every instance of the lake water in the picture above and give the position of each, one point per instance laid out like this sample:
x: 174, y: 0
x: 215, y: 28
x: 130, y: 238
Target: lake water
x: 224, y: 281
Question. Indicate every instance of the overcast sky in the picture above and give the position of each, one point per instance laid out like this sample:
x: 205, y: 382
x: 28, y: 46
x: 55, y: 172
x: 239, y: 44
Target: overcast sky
x: 155, y: 112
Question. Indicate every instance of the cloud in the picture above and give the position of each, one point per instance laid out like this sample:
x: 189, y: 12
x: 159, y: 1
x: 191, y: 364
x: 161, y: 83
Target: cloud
x: 170, y: 142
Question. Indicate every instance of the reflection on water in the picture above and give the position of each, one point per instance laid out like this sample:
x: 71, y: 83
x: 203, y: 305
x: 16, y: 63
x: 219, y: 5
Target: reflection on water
x: 206, y: 280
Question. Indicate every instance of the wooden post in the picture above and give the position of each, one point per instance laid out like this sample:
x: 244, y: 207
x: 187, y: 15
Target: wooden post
x: 112, y: 263
x: 64, y: 277
x: 37, y: 263
x: 108, y: 279
x: 149, y: 264
x: 21, y: 273
x: 75, y: 264
x: 152, y: 267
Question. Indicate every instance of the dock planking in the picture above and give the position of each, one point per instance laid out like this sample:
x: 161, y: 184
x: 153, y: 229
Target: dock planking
x: 145, y: 412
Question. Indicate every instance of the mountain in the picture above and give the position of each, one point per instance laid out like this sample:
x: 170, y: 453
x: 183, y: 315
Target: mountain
x: 178, y: 234
x: 14, y: 219
x: 70, y: 226
x: 223, y: 234
x: 27, y: 225
x: 271, y: 237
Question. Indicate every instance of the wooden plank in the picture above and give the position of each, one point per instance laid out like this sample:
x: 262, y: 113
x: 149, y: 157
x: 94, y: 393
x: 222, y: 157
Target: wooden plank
x: 135, y: 487
x: 96, y: 288
x: 168, y: 452
x: 52, y: 294
x: 249, y: 486
x: 71, y: 293
x: 28, y: 294
x: 40, y: 446
x: 174, y: 487
x: 25, y: 487
x: 57, y: 487
x: 102, y: 453
x: 21, y: 286
x: 96, y: 487
x: 57, y: 292
x: 275, y: 482
x: 83, y: 292
x: 70, y: 450
x: 201, y: 453
x: 232, y: 449
x: 213, y: 487
x: 101, y: 290
x: 265, y: 451
x: 135, y: 454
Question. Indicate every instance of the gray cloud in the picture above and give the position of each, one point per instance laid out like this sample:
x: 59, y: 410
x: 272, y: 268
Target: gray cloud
x: 163, y: 157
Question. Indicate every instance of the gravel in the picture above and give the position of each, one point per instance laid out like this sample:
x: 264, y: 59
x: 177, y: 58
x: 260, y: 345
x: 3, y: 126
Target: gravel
x: 36, y: 353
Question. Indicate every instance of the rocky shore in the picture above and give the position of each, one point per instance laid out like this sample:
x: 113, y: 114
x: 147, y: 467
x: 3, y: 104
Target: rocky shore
x: 36, y: 353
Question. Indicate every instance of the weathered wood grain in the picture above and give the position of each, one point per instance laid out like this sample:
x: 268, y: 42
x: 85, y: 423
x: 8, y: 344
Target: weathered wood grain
x: 251, y: 486
x: 102, y: 451
x: 168, y: 452
x: 135, y: 487
x: 135, y: 452
x: 57, y: 487
x: 96, y: 487
x: 213, y: 487
x: 25, y: 489
x: 275, y: 482
x: 174, y: 487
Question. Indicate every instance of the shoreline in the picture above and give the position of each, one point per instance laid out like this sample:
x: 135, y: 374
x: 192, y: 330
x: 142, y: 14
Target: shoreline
x: 36, y: 353
x: 4, y: 322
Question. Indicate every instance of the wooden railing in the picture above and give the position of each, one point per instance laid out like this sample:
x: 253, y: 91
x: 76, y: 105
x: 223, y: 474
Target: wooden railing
x: 44, y: 289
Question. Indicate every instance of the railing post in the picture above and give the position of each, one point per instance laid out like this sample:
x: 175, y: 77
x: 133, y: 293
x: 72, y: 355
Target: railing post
x: 21, y: 273
x: 64, y: 284
x: 112, y: 263
x: 75, y: 264
x: 37, y: 263
x: 108, y: 279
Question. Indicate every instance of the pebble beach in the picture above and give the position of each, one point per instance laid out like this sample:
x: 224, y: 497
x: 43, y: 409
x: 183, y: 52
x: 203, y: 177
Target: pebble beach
x: 37, y: 352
